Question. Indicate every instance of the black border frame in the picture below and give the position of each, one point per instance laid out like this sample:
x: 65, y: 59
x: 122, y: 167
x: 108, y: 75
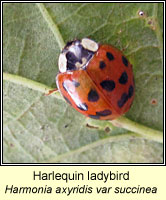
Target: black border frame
x: 85, y: 164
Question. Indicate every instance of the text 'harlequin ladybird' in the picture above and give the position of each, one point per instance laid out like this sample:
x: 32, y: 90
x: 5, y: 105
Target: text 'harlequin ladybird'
x: 97, y: 80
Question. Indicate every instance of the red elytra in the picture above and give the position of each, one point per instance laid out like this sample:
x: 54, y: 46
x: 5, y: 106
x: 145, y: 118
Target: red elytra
x: 103, y: 88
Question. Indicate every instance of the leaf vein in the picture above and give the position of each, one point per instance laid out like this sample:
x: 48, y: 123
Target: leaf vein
x: 54, y: 28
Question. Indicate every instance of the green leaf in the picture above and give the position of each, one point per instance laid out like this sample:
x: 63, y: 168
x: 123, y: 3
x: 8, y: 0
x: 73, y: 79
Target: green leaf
x: 39, y: 128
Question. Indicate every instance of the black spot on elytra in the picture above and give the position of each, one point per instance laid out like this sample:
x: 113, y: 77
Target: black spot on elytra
x: 131, y: 91
x: 67, y: 100
x: 82, y: 106
x: 108, y: 85
x: 123, y: 100
x: 110, y: 56
x: 93, y: 96
x: 125, y: 61
x: 104, y: 113
x: 102, y: 65
x: 94, y: 116
x: 75, y: 83
x: 124, y: 78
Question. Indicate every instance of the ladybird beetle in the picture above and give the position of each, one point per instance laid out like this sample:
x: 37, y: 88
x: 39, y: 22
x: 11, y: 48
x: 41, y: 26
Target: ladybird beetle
x: 95, y: 79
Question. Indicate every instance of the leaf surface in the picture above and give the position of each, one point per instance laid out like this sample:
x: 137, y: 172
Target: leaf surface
x: 40, y: 128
